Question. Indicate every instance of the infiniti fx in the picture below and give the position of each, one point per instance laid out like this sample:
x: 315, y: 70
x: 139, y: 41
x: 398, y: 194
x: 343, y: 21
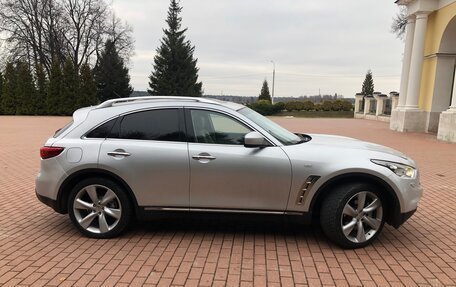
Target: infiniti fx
x: 128, y: 158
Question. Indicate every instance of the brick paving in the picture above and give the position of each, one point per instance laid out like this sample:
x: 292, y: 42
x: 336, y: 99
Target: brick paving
x: 41, y: 247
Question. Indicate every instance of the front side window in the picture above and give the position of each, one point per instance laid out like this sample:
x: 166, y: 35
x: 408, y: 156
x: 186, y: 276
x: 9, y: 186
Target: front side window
x: 283, y: 135
x: 159, y: 125
x: 217, y: 128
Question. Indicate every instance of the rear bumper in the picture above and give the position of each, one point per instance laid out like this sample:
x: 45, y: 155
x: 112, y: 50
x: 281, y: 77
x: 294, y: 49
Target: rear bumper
x: 49, y: 202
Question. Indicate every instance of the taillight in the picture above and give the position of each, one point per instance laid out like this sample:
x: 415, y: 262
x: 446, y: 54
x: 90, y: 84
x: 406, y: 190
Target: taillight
x: 49, y: 151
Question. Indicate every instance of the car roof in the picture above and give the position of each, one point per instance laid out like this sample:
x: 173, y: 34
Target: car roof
x: 88, y: 117
x: 165, y: 99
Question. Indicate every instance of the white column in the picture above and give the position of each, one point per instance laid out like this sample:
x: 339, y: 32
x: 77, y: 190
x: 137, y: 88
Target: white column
x: 453, y: 96
x: 358, y: 103
x: 410, y: 30
x: 416, y: 62
x: 380, y: 104
x: 366, y: 105
x: 394, y: 101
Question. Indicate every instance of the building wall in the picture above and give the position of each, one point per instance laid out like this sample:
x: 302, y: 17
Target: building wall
x: 427, y: 83
x: 437, y: 23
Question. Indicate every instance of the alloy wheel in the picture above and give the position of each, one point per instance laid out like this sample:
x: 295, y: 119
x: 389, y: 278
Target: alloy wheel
x: 362, y: 217
x: 97, y: 208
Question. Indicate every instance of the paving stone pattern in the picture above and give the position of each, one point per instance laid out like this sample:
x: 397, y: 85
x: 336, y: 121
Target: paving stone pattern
x: 39, y: 247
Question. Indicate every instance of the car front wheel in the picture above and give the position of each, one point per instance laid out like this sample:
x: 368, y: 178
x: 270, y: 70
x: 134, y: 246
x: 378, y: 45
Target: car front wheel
x: 352, y: 215
x: 99, y: 208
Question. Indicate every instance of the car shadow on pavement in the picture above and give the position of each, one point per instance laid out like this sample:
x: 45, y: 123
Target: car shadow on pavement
x: 227, y: 223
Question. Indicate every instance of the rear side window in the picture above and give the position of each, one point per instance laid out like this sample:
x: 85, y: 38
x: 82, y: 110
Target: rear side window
x: 102, y: 131
x: 159, y: 125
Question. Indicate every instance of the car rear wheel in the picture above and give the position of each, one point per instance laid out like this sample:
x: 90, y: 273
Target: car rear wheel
x: 99, y: 208
x: 352, y: 215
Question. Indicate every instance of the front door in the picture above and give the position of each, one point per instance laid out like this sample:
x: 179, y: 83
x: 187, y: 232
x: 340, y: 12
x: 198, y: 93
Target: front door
x: 226, y: 175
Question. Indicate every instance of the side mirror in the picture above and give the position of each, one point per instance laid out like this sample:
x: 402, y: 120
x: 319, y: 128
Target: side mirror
x: 255, y: 139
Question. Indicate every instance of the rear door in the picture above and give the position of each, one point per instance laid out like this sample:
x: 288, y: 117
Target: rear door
x: 149, y: 151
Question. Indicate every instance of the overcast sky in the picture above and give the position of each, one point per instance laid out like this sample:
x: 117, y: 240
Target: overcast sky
x: 327, y: 45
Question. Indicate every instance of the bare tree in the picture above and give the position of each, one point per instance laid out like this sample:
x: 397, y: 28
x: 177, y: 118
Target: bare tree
x: 399, y: 23
x: 119, y: 33
x: 41, y: 31
x: 85, y: 18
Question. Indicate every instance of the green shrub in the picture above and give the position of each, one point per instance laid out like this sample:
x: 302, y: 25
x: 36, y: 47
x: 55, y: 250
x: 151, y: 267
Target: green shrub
x: 294, y: 106
x: 265, y: 108
x: 308, y: 106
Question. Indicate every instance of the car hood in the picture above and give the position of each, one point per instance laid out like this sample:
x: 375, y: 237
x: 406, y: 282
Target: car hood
x: 351, y: 143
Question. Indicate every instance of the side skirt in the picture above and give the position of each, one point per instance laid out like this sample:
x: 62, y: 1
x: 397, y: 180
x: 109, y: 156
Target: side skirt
x: 151, y: 212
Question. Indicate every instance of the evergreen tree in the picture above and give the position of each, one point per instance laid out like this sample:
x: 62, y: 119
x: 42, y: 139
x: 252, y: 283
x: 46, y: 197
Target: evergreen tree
x: 70, y: 88
x: 111, y: 75
x: 368, y: 87
x: 54, y: 90
x: 264, y: 94
x: 87, y: 88
x: 368, y: 84
x: 41, y: 90
x: 25, y: 90
x: 175, y: 72
x: 8, y: 101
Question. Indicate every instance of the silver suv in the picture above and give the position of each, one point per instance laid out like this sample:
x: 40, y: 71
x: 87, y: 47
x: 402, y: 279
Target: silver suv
x: 128, y: 158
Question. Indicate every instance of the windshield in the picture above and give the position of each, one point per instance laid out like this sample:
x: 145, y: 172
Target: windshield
x: 283, y: 135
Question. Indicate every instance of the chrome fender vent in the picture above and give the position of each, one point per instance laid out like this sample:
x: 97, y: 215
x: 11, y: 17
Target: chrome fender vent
x: 310, y: 181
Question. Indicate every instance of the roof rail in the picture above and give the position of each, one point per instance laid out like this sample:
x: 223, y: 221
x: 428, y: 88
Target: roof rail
x: 110, y: 103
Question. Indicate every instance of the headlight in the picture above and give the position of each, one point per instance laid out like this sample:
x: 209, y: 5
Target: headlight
x: 397, y: 168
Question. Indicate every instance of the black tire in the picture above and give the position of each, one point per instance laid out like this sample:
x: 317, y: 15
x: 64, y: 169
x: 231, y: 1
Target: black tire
x: 332, y: 215
x: 123, y: 201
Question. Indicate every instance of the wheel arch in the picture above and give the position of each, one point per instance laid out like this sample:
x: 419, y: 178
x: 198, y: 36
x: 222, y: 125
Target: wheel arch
x: 70, y: 181
x: 393, y: 213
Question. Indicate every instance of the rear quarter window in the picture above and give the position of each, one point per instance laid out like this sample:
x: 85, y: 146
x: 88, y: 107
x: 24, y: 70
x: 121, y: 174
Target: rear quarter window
x: 102, y: 131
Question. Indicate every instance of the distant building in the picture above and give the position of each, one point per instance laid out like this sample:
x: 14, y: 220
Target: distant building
x: 427, y: 98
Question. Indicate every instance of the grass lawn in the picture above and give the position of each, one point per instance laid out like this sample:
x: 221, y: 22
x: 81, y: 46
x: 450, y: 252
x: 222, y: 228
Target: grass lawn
x: 317, y: 114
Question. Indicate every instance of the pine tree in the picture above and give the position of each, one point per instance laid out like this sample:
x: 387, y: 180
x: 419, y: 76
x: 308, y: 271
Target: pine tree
x: 8, y: 101
x: 87, y: 88
x: 368, y: 84
x: 368, y: 87
x: 41, y: 90
x: 55, y: 90
x: 25, y: 92
x: 70, y: 88
x: 175, y: 72
x: 111, y: 74
x: 264, y: 94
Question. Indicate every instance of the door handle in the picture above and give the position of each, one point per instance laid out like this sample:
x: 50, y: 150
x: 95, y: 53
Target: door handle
x: 203, y: 156
x: 119, y: 153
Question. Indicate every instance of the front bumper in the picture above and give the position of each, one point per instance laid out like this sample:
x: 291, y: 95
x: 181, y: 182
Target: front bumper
x: 409, y: 192
x: 399, y: 220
